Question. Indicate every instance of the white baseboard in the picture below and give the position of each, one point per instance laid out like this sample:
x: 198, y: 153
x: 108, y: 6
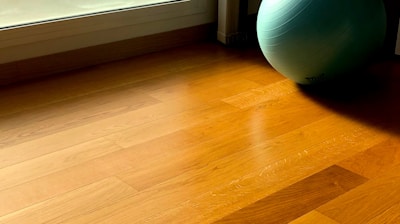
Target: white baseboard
x: 84, y: 57
x: 233, y: 38
x: 228, y: 20
x: 398, y: 41
x: 65, y: 35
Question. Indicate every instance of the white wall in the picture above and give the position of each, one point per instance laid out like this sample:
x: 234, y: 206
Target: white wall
x: 49, y: 38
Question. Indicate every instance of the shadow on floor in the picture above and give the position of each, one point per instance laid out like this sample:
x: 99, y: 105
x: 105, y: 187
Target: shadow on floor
x: 372, y: 96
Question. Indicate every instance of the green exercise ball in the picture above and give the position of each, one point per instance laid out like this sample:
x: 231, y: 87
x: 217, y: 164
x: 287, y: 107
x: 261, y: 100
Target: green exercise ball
x: 311, y: 41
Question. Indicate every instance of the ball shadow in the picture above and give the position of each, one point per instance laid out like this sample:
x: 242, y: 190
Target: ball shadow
x: 371, y: 96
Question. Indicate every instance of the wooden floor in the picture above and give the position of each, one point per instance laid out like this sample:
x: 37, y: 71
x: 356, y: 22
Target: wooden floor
x: 199, y: 134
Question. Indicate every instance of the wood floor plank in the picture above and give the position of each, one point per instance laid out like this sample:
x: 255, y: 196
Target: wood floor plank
x: 262, y: 94
x: 63, y: 181
x: 78, y: 135
x: 193, y: 83
x: 19, y: 173
x: 71, y: 204
x: 160, y: 127
x: 375, y: 161
x: 140, y: 157
x: 26, y: 96
x: 73, y: 117
x: 205, y: 91
x: 263, y: 74
x: 186, y: 159
x: 392, y: 215
x: 154, y: 156
x: 245, y: 190
x: 299, y: 198
x: 210, y: 206
x: 266, y: 120
x: 193, y: 135
x: 22, y: 127
x: 356, y: 207
x: 218, y: 131
x: 313, y: 217
x: 209, y: 183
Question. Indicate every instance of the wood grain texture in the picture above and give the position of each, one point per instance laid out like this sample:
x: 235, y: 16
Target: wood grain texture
x: 375, y: 161
x: 299, y: 198
x: 391, y: 215
x: 63, y: 181
x: 367, y: 202
x: 52, y: 162
x: 74, y: 203
x: 199, y: 134
x: 313, y: 217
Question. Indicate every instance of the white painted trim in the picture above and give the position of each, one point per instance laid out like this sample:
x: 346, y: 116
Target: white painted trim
x: 64, y: 35
x: 398, y: 41
x: 228, y: 19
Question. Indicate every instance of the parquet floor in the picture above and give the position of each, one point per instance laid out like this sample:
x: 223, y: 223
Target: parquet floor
x: 199, y: 134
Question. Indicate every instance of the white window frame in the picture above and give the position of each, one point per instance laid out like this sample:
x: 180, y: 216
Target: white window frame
x: 63, y: 35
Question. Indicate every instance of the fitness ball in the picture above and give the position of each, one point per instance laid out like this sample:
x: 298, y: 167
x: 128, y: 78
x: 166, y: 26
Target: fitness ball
x: 312, y: 41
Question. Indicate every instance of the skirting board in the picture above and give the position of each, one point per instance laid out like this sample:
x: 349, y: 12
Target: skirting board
x: 71, y: 60
x: 398, y: 40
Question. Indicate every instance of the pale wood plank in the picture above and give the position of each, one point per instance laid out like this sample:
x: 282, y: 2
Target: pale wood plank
x: 76, y: 101
x: 19, y: 173
x: 72, y: 204
x: 265, y: 125
x: 193, y: 83
x: 299, y: 198
x: 248, y: 188
x: 32, y: 124
x: 63, y: 181
x: 157, y: 155
x: 220, y: 132
x: 375, y: 161
x: 78, y: 135
x: 205, y: 91
x: 314, y: 217
x: 392, y: 215
x: 179, y: 121
x: 367, y: 202
x: 203, y: 189
x: 263, y: 74
x: 26, y: 96
x: 194, y: 157
x: 141, y: 156
x: 265, y: 120
x: 262, y: 94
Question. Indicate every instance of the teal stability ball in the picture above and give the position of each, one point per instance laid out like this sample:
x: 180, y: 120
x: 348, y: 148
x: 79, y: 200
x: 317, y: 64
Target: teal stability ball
x: 310, y: 41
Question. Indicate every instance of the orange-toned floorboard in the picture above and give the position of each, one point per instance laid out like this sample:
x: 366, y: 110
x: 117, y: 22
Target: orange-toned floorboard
x: 199, y: 134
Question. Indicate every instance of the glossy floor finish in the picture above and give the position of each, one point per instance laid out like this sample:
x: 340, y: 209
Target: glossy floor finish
x: 199, y: 134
